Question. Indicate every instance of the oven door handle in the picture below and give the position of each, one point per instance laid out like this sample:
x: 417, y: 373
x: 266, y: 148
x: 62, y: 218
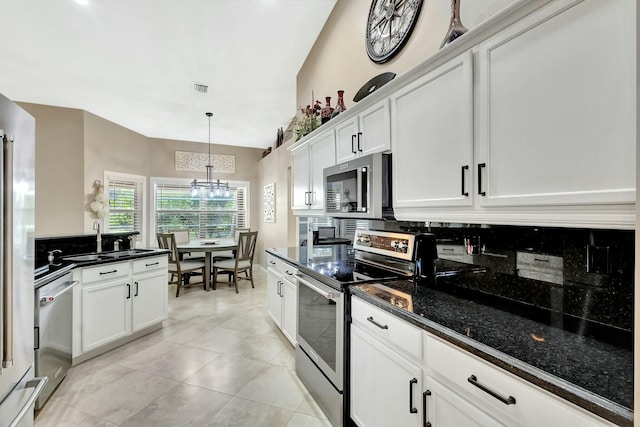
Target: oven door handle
x: 324, y: 293
x: 48, y: 299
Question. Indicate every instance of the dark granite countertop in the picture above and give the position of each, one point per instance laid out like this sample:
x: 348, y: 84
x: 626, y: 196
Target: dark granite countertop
x: 581, y: 368
x: 47, y: 273
x: 585, y: 363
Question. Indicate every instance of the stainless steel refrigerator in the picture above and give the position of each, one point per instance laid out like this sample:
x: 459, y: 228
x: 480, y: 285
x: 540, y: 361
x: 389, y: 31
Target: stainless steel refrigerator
x: 18, y: 387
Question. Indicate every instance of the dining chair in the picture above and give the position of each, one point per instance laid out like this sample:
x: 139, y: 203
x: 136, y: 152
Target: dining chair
x: 182, y: 236
x: 219, y: 256
x: 241, y: 262
x: 182, y: 270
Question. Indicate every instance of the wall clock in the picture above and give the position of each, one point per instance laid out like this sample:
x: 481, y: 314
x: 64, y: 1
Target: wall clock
x: 389, y: 25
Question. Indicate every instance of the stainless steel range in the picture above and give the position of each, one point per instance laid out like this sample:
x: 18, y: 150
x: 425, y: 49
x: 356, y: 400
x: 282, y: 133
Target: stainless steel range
x: 323, y: 332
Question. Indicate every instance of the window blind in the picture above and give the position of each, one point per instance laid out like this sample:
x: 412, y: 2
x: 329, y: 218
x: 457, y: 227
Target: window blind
x: 204, y: 217
x: 126, y: 210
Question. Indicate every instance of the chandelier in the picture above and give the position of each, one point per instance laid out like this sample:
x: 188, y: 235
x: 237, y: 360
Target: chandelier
x: 213, y: 188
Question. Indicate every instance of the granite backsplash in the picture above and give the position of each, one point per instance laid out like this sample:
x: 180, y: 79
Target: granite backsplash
x: 579, y: 276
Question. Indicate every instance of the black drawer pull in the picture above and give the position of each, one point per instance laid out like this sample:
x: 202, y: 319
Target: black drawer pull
x: 272, y: 262
x: 540, y: 260
x: 353, y: 144
x: 359, y: 147
x: 108, y: 272
x: 447, y: 249
x: 153, y: 263
x: 128, y: 291
x: 370, y: 319
x: 464, y: 193
x: 480, y: 166
x: 412, y: 410
x: 136, y: 294
x: 506, y: 400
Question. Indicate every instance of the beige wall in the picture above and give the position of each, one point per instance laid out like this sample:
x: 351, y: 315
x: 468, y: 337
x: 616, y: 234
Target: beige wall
x: 276, y: 168
x: 74, y: 148
x: 339, y: 60
x: 59, y: 169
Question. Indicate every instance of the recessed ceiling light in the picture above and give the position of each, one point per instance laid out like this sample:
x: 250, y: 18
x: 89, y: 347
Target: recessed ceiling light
x: 82, y: 2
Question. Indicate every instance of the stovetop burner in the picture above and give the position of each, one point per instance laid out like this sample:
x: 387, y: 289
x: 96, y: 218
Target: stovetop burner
x: 351, y: 271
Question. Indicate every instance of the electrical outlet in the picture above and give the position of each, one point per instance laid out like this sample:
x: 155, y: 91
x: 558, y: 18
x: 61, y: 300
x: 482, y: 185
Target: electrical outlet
x: 598, y: 259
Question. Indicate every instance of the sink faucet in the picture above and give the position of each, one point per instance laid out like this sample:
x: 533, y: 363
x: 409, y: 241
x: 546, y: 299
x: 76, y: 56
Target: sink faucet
x: 96, y: 226
x: 52, y: 256
x: 116, y: 245
x: 132, y: 242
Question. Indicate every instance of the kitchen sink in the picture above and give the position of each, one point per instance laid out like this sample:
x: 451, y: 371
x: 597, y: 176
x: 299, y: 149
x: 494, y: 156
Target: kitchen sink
x: 85, y: 257
x: 105, y: 255
x: 131, y: 252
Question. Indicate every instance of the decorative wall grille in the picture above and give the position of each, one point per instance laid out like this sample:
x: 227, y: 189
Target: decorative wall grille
x: 196, y: 162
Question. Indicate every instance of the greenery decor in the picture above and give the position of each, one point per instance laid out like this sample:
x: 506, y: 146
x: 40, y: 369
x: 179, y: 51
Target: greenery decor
x: 309, y: 121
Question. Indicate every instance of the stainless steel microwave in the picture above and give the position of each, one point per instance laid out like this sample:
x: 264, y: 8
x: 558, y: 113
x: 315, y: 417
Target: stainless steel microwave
x: 360, y: 188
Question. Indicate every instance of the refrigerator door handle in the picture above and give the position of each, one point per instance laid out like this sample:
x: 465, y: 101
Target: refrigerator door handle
x: 37, y: 384
x: 6, y: 246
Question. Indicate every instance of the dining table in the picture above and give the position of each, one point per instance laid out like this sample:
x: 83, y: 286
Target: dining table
x: 208, y: 246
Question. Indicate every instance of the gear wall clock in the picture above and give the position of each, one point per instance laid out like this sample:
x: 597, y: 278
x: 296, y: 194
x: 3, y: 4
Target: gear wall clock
x: 389, y: 25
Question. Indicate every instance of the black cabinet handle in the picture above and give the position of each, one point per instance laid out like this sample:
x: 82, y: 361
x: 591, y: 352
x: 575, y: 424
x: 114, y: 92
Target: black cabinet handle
x: 412, y: 410
x: 272, y: 262
x: 480, y: 166
x: 506, y: 400
x: 128, y: 291
x: 353, y: 144
x: 464, y: 168
x: 370, y: 319
x: 153, y: 263
x: 108, y: 272
x: 425, y: 423
x: 359, y: 146
x: 136, y: 294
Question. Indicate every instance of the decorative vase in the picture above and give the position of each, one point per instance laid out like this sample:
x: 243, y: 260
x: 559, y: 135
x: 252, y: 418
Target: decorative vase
x: 339, y: 105
x: 456, y: 29
x: 326, y: 112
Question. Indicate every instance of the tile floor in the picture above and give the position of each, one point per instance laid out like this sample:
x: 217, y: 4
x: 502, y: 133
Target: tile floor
x: 219, y: 361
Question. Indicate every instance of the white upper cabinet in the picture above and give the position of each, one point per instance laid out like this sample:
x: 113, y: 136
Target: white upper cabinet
x: 557, y: 107
x: 367, y: 133
x: 432, y: 139
x: 307, y: 164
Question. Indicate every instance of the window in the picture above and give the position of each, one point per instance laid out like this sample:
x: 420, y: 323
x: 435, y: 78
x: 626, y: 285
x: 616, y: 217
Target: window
x: 204, y: 217
x: 126, y: 203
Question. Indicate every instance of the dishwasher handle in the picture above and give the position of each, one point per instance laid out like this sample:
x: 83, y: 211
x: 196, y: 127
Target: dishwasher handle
x: 48, y: 299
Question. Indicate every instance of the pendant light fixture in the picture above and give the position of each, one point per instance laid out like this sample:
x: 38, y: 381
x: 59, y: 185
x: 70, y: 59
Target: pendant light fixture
x: 213, y: 188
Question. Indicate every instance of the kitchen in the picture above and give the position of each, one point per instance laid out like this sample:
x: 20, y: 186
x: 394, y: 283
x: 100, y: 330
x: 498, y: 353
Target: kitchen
x: 266, y: 176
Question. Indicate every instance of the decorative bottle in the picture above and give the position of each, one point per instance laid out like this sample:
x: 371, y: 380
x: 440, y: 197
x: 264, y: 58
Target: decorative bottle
x: 456, y: 29
x: 340, y: 104
x: 326, y: 112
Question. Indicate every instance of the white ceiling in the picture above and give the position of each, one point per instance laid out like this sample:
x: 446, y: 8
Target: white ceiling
x: 134, y: 62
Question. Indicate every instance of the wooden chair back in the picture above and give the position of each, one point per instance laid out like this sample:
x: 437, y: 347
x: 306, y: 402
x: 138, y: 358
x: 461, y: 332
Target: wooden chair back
x: 168, y: 241
x: 246, y: 246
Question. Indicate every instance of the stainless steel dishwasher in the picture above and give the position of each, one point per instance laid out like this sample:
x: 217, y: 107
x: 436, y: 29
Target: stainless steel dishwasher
x: 53, y: 332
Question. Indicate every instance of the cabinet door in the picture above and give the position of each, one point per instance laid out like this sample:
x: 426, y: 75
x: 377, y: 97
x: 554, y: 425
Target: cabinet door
x: 558, y: 109
x: 322, y: 154
x: 106, y: 313
x: 300, y: 178
x: 432, y: 138
x: 289, y: 310
x: 386, y: 389
x: 150, y: 300
x: 375, y: 129
x: 445, y: 408
x: 274, y: 301
x: 346, y: 140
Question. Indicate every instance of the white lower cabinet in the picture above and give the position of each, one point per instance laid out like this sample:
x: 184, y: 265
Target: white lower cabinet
x: 282, y: 296
x: 386, y: 388
x: 150, y: 297
x: 106, y: 306
x: 386, y: 382
x: 404, y: 376
x: 117, y: 300
x: 446, y: 408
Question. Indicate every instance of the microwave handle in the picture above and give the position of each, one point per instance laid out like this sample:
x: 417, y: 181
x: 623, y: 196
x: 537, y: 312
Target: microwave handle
x: 359, y: 185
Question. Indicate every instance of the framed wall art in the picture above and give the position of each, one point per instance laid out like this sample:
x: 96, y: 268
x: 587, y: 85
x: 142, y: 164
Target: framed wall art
x: 270, y: 202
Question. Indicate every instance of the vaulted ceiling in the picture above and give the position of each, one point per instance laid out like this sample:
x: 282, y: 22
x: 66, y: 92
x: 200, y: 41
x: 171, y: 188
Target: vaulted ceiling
x: 135, y: 62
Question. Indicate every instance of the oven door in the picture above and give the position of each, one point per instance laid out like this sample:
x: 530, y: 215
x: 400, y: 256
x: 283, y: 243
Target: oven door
x: 320, y: 326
